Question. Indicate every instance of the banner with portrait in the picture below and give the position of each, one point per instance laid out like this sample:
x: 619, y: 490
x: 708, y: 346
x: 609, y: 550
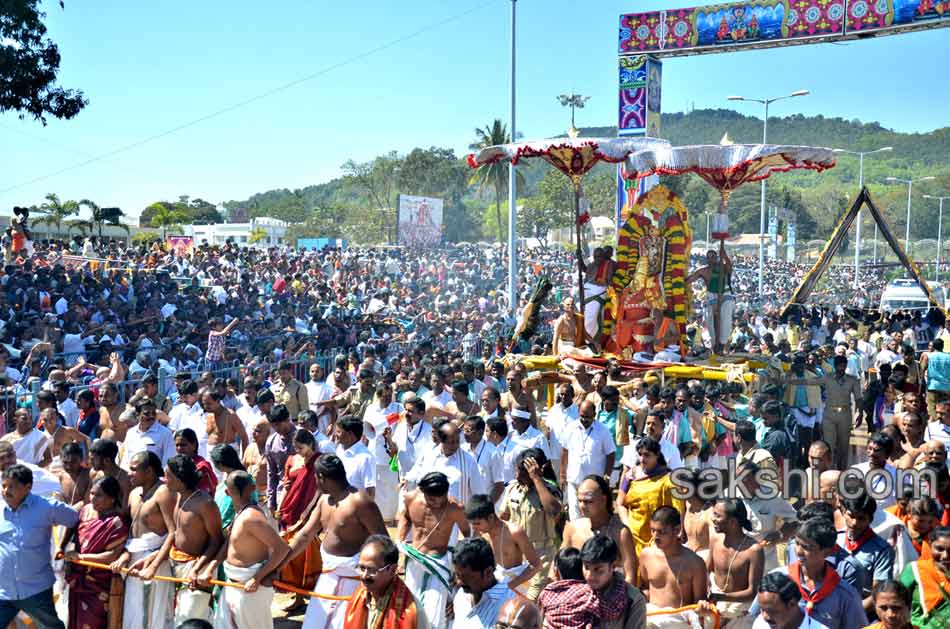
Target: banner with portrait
x: 420, y: 221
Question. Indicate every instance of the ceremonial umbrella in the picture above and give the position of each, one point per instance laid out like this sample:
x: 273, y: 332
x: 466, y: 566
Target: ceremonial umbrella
x: 726, y: 166
x: 574, y: 157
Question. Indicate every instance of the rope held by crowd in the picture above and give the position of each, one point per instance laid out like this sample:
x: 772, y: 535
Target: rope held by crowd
x: 712, y: 611
x: 277, y: 584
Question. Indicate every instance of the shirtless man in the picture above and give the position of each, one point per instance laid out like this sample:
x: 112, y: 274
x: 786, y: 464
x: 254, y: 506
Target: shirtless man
x: 461, y: 406
x: 431, y: 516
x: 598, y: 518
x: 194, y: 538
x: 59, y: 433
x: 697, y: 520
x: 565, y: 328
x: 517, y: 396
x: 672, y: 575
x: 253, y: 553
x: 735, y: 562
x: 224, y: 426
x: 111, y: 425
x: 102, y: 457
x: 152, y: 506
x: 346, y: 516
x: 518, y: 560
x: 74, y: 477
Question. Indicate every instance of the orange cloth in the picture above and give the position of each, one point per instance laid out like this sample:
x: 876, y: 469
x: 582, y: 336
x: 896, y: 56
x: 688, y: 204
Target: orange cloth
x: 181, y: 557
x: 400, y: 612
x: 933, y: 584
x: 304, y: 570
x: 899, y: 512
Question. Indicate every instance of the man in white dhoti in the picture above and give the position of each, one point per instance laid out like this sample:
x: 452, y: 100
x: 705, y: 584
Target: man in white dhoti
x: 719, y: 307
x: 31, y: 445
x: 596, y: 281
x: 349, y: 517
x: 430, y: 517
x: 255, y: 550
x: 148, y: 604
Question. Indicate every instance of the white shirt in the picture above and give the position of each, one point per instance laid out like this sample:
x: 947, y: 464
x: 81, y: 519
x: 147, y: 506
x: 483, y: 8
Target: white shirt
x: 514, y: 444
x: 558, y: 420
x: 413, y: 442
x: 440, y: 400
x: 319, y: 392
x: 484, y: 614
x: 157, y: 439
x: 488, y: 460
x: 182, y: 416
x: 375, y: 419
x: 885, y: 356
x: 70, y: 411
x: 359, y: 465
x: 587, y: 450
x: 631, y: 458
x: 940, y: 432
x: 250, y: 416
x: 464, y: 475
x: 879, y: 485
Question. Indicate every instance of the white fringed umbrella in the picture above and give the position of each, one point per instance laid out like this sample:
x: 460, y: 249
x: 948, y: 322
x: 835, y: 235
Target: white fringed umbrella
x: 574, y: 157
x: 726, y: 166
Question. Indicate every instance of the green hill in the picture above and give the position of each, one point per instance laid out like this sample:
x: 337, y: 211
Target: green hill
x: 818, y: 199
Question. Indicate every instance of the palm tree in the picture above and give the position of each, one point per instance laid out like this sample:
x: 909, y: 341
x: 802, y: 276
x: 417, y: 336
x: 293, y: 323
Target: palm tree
x: 56, y: 211
x: 167, y: 218
x: 100, y: 216
x: 494, y: 176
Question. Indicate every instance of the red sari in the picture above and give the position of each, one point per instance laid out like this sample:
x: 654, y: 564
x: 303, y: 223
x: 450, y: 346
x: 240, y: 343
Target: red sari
x: 95, y: 595
x: 296, y: 505
x: 209, y: 481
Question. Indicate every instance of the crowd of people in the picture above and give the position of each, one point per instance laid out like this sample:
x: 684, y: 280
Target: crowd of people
x: 342, y: 426
x: 781, y: 278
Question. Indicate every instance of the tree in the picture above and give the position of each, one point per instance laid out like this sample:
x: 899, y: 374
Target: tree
x: 100, y: 216
x: 28, y: 66
x: 601, y: 191
x: 167, y: 218
x: 257, y: 234
x: 536, y: 219
x: 56, y: 211
x: 376, y: 180
x: 493, y: 176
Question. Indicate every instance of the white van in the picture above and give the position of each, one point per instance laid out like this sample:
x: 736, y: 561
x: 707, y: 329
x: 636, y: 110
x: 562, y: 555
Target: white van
x: 906, y: 294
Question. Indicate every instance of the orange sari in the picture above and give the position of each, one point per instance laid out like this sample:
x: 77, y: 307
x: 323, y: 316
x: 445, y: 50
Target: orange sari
x: 400, y: 611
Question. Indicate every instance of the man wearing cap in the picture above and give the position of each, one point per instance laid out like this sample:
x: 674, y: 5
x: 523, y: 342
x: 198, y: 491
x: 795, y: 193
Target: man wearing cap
x: 289, y: 391
x: 843, y: 396
x: 354, y: 400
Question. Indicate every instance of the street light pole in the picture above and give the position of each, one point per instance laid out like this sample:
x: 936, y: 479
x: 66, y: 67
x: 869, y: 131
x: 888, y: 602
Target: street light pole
x: 512, y: 192
x: 765, y: 126
x: 857, y: 236
x: 939, y: 232
x: 910, y: 187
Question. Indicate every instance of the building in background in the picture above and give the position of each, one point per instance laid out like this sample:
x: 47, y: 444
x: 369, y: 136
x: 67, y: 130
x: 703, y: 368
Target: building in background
x: 258, y: 232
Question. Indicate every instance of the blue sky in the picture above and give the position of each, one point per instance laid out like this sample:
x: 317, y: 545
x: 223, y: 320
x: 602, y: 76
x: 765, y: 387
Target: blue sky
x: 148, y: 68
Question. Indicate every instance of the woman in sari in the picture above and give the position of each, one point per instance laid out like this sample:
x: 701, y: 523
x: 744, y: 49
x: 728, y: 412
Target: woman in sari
x: 300, y: 496
x: 645, y: 489
x: 95, y: 594
x: 186, y: 443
